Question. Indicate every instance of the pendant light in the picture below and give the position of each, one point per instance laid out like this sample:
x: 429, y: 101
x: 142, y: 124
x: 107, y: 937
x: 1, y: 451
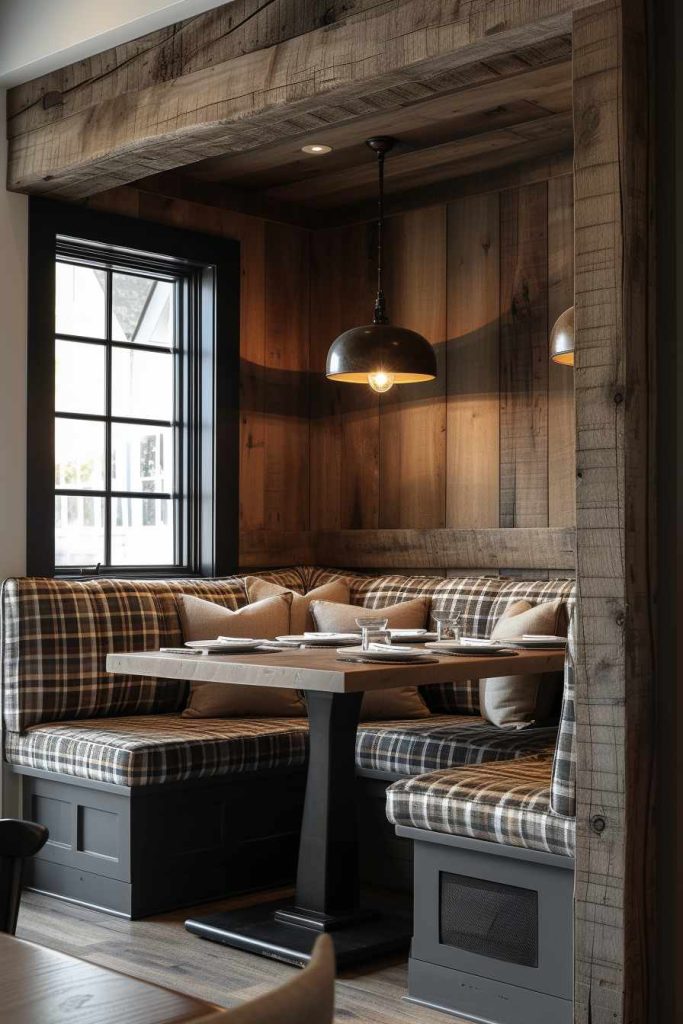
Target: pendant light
x: 562, y: 338
x: 380, y: 354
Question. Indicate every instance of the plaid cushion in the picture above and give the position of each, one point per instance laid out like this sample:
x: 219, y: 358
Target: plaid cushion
x: 293, y: 578
x: 142, y: 750
x: 497, y: 802
x: 563, y: 786
x: 56, y: 635
x: 427, y: 744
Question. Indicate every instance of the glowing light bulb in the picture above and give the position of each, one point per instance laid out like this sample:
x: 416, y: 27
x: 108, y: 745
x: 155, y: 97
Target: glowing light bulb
x: 380, y: 381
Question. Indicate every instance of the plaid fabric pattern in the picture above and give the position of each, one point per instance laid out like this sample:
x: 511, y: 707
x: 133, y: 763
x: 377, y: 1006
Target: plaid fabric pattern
x: 443, y: 741
x: 292, y: 579
x: 497, y: 802
x: 56, y: 635
x: 143, y: 750
x: 563, y: 785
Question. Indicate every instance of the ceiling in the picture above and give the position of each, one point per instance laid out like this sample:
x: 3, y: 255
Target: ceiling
x: 506, y: 110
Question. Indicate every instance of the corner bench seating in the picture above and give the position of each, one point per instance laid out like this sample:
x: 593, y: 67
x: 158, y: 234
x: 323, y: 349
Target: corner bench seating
x: 148, y: 810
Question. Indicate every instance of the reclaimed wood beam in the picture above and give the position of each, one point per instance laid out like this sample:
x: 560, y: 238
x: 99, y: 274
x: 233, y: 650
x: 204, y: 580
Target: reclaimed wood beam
x: 382, y: 56
x: 412, y: 549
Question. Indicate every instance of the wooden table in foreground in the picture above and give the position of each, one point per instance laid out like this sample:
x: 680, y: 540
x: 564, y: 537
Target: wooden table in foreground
x: 327, y: 885
x: 41, y: 986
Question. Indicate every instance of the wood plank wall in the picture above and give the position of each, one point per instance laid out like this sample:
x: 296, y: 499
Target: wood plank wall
x: 489, y: 444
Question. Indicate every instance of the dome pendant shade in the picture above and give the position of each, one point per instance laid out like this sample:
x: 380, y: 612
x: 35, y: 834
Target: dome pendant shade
x: 381, y: 348
x: 562, y: 339
x: 380, y: 354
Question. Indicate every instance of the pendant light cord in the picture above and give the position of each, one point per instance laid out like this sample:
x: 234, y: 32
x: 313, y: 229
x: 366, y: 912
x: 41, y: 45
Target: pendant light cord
x: 380, y: 316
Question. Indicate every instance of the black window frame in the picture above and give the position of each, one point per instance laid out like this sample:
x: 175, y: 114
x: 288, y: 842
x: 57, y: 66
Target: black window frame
x: 210, y: 268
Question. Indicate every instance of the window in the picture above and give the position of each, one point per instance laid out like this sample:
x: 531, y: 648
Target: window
x: 140, y: 474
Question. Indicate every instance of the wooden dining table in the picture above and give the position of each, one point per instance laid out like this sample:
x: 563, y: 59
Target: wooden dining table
x: 43, y: 986
x: 327, y: 897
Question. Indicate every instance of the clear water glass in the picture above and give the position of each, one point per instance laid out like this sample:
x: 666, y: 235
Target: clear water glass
x: 373, y: 630
x: 447, y: 625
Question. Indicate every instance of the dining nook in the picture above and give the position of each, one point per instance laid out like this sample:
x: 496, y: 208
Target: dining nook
x: 338, y: 406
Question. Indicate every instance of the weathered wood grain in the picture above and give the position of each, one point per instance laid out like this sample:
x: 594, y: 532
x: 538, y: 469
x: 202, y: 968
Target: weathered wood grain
x: 386, y: 55
x: 614, y: 980
x: 472, y: 364
x: 524, y: 357
x: 561, y: 413
x: 413, y: 416
x: 344, y: 490
x: 485, y: 550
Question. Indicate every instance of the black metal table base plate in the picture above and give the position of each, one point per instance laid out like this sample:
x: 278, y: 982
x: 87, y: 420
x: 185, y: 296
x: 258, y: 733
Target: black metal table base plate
x: 256, y: 930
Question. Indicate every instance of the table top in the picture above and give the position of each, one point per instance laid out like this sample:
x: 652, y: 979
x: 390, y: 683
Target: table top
x: 316, y: 669
x: 42, y: 986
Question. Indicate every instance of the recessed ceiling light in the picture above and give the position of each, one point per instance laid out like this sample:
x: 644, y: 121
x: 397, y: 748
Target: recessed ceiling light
x: 316, y: 149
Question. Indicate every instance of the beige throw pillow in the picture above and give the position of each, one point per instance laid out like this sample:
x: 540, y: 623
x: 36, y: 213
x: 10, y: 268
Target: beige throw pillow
x: 301, y: 620
x: 223, y: 700
x: 404, y: 701
x: 206, y: 620
x: 341, y: 618
x: 514, y: 702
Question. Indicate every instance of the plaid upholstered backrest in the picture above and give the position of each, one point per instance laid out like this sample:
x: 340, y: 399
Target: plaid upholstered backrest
x: 56, y: 635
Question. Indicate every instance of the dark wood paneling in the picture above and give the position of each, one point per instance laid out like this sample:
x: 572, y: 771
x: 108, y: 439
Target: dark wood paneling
x: 413, y: 416
x: 524, y: 357
x: 473, y: 404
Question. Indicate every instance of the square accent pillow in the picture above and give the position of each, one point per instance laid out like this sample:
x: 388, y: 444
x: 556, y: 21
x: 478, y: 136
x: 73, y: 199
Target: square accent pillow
x: 330, y: 617
x: 301, y: 620
x: 515, y: 702
x: 205, y: 620
x: 223, y: 700
x: 404, y: 701
x: 392, y: 705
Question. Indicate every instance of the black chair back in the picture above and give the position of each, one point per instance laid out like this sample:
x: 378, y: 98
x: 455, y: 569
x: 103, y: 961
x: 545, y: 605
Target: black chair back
x: 18, y: 840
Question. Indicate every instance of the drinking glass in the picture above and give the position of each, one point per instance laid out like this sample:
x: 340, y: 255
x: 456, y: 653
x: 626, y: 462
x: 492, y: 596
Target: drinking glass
x: 373, y: 630
x: 447, y: 625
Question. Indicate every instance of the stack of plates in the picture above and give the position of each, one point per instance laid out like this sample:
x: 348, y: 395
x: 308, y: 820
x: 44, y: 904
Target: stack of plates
x: 544, y: 642
x: 396, y: 654
x: 412, y: 636
x: 227, y: 645
x: 318, y: 639
x: 483, y: 649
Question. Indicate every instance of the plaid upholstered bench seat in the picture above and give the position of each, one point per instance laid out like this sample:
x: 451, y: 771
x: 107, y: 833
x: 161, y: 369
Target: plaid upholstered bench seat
x: 443, y: 741
x: 145, y: 750
x: 497, y: 802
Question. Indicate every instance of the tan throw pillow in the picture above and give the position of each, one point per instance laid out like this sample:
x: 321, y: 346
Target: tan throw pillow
x: 341, y: 618
x: 224, y: 700
x: 514, y: 702
x: 301, y: 620
x: 206, y: 620
x: 391, y: 705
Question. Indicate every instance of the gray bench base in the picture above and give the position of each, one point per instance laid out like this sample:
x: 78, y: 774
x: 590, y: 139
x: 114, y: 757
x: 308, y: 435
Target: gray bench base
x: 493, y: 930
x: 145, y: 850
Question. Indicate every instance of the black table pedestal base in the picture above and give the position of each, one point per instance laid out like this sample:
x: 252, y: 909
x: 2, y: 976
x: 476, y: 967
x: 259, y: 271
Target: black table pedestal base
x: 261, y: 930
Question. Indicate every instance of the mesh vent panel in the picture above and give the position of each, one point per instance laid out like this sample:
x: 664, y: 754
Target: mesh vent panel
x: 494, y: 920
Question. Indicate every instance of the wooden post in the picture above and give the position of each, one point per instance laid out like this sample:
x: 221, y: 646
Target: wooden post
x: 614, y: 657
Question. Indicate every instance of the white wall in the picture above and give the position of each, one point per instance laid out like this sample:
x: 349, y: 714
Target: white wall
x: 37, y: 36
x: 13, y: 253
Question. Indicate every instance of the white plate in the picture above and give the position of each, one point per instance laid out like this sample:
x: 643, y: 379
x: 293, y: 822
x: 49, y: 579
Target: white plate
x: 232, y: 646
x: 393, y: 653
x: 317, y: 640
x: 466, y: 650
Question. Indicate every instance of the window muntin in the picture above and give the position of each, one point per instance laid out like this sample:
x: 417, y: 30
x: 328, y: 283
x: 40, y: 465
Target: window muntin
x: 121, y: 409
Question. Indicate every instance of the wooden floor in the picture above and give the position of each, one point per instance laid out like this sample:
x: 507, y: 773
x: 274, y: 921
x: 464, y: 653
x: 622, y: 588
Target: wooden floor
x: 159, y: 949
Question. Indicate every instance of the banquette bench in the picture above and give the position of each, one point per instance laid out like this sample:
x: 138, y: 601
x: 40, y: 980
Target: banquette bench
x: 148, y: 810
